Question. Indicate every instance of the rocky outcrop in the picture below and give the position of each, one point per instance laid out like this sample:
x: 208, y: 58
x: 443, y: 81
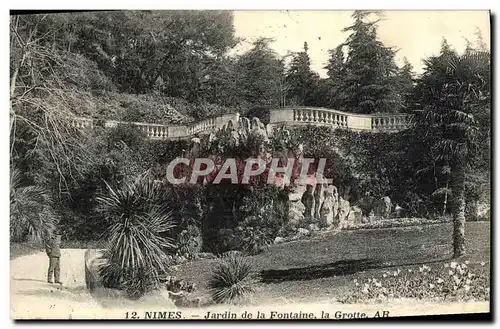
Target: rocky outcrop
x: 329, y: 208
x: 382, y: 207
x: 296, y: 208
x: 319, y: 197
x: 296, y: 213
x: 343, y: 209
x: 355, y: 215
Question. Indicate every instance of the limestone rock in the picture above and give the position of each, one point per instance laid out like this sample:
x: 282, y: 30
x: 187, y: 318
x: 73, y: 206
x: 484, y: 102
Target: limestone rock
x: 319, y: 197
x: 355, y: 215
x: 296, y: 193
x: 302, y: 233
x: 383, y: 207
x: 343, y: 209
x: 279, y: 239
x: 259, y: 128
x: 269, y: 130
x: 329, y: 207
x: 296, y: 212
x: 313, y: 227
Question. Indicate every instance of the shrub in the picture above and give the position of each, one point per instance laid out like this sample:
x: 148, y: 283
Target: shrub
x: 189, y: 242
x: 136, y: 236
x: 252, y: 236
x: 231, y: 279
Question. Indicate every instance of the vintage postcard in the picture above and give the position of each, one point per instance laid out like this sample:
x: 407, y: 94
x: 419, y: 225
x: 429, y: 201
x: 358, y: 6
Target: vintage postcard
x: 277, y: 165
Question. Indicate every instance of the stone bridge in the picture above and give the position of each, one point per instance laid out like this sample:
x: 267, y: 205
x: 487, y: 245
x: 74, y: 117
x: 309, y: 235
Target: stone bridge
x: 292, y: 116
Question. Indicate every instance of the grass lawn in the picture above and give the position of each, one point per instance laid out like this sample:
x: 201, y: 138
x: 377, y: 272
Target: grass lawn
x: 325, y: 266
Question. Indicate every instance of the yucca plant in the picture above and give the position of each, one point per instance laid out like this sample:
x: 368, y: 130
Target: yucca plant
x: 31, y: 215
x: 231, y: 278
x: 136, y: 235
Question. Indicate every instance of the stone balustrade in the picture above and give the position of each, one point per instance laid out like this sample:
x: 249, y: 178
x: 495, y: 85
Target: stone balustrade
x: 160, y: 131
x: 283, y: 116
x: 337, y: 119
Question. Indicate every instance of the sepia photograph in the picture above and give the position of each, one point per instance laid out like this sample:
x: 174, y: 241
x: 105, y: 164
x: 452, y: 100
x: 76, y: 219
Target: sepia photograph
x: 250, y: 165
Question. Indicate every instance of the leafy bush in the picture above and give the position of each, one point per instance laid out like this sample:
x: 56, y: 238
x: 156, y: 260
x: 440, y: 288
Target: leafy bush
x: 451, y: 281
x: 31, y: 214
x: 138, y: 247
x: 251, y: 235
x: 231, y: 278
x: 189, y: 242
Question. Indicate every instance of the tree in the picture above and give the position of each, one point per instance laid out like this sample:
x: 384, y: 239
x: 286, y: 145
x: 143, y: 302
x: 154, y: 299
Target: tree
x: 454, y: 100
x: 299, y: 78
x: 365, y: 83
x: 335, y: 71
x: 406, y: 81
x: 142, y: 51
x: 260, y: 76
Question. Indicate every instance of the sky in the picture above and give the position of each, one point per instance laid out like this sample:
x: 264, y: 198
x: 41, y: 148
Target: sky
x: 417, y: 34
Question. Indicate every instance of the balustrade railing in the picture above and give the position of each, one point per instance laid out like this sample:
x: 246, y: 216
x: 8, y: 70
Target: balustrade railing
x: 338, y: 119
x: 390, y: 123
x: 287, y: 116
x: 160, y: 131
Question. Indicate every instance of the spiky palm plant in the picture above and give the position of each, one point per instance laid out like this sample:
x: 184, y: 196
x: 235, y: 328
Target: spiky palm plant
x: 31, y: 215
x: 231, y: 278
x: 136, y: 235
x: 455, y: 100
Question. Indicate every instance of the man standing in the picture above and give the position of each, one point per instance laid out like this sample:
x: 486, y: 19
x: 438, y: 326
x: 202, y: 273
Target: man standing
x: 52, y: 247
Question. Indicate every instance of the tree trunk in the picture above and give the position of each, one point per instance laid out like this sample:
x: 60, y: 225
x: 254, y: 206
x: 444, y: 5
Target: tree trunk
x: 445, y: 202
x: 458, y: 211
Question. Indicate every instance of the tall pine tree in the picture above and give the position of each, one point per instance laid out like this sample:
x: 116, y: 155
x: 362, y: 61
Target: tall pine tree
x: 300, y: 79
x: 367, y: 82
x: 260, y: 78
x: 406, y: 81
